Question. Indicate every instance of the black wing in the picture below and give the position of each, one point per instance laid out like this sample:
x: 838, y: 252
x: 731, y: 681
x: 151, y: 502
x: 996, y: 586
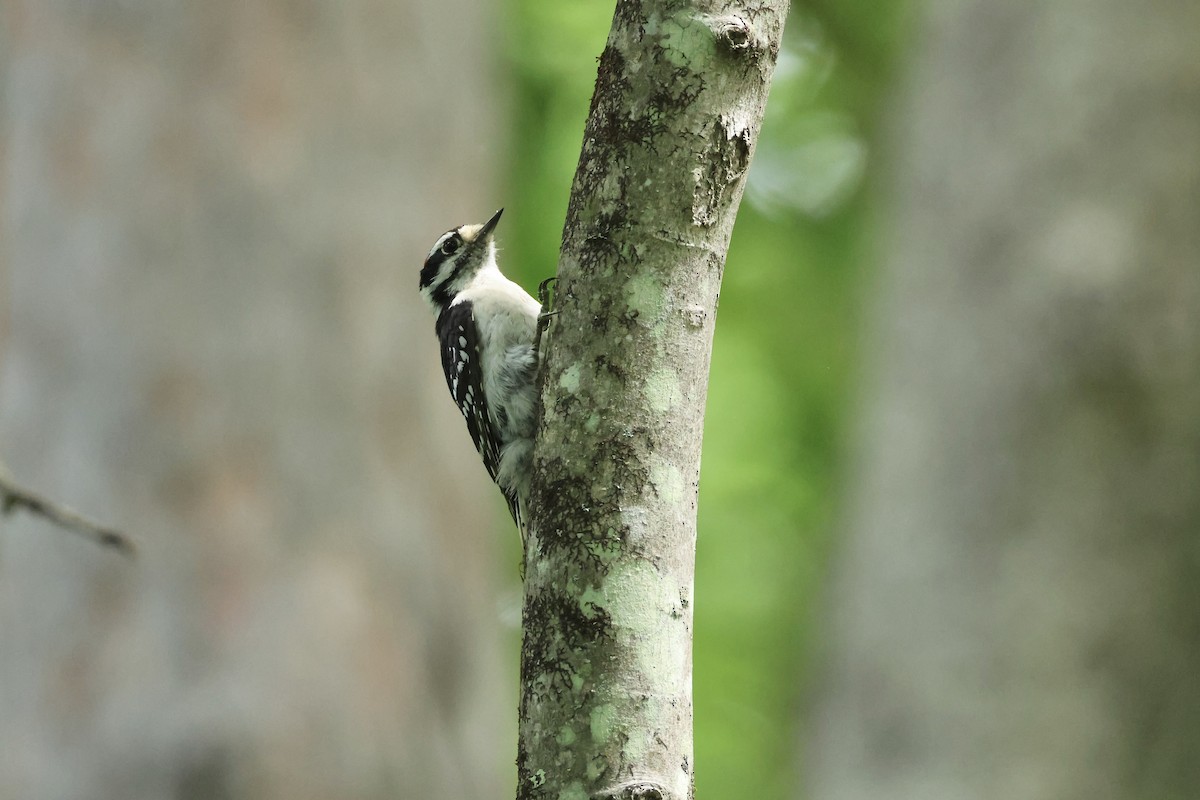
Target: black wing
x: 458, y: 340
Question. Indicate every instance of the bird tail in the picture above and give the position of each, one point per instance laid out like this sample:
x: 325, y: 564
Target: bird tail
x: 516, y: 507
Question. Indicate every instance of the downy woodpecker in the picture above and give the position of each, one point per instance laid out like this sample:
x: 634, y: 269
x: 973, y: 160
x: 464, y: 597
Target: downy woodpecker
x: 486, y: 328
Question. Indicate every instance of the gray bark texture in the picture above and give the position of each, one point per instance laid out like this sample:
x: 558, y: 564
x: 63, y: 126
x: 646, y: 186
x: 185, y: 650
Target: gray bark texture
x: 1017, y: 611
x: 606, y: 707
x: 212, y: 217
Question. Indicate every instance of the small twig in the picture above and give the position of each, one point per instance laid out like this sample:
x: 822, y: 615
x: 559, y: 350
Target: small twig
x: 13, y: 497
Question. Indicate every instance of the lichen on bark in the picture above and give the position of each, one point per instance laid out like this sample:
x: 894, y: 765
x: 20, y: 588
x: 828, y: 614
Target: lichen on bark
x: 606, y: 706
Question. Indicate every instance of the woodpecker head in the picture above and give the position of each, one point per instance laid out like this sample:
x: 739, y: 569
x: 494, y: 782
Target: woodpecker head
x: 455, y: 259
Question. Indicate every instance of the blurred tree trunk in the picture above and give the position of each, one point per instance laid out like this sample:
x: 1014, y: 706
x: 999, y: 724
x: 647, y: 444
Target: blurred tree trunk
x: 212, y: 215
x: 1016, y: 611
x: 606, y: 705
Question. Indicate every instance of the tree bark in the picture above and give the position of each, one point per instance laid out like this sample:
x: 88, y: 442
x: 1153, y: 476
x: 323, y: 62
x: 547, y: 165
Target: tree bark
x: 606, y: 660
x: 1016, y: 610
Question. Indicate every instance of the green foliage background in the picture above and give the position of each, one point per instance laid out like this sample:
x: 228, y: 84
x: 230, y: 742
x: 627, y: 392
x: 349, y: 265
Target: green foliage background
x: 784, y: 352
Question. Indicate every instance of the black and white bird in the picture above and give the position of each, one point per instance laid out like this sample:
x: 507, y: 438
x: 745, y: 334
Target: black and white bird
x: 486, y: 328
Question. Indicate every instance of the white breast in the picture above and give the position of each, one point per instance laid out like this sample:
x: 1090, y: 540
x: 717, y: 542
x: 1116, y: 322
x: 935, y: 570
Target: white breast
x: 506, y: 319
x: 505, y: 313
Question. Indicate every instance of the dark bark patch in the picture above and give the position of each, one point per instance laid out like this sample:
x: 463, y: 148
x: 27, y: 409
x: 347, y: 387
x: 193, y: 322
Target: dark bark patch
x: 529, y: 786
x: 605, y: 363
x: 561, y: 632
x: 573, y: 494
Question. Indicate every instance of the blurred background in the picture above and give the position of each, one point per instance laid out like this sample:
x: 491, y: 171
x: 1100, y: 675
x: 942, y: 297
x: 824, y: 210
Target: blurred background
x: 212, y: 215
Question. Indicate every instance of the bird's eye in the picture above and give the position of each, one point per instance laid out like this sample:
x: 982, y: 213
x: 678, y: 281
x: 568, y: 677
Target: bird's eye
x: 450, y: 247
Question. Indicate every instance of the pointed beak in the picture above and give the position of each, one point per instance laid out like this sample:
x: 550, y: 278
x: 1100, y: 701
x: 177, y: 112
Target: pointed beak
x: 489, y: 226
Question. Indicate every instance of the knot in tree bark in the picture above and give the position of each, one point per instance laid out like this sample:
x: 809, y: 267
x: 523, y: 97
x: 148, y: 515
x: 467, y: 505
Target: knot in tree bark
x: 638, y: 790
x: 736, y: 35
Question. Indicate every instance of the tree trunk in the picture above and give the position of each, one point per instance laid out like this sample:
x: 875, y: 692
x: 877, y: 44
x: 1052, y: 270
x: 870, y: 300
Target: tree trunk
x: 606, y: 661
x: 211, y: 222
x: 1016, y: 612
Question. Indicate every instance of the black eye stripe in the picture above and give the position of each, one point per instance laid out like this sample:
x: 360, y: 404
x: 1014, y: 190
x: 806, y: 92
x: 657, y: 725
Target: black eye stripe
x: 433, y: 264
x: 438, y: 251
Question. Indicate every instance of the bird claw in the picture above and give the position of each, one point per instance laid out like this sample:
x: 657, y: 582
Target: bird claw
x: 545, y: 297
